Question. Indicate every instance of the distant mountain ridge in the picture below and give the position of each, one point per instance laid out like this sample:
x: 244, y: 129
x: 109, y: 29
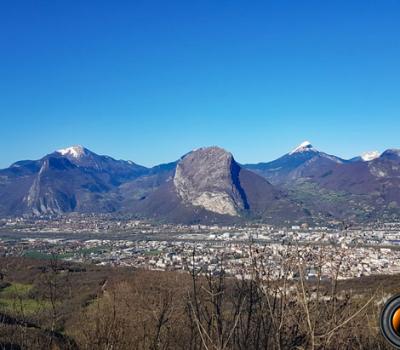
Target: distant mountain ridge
x: 74, y: 180
x: 303, y: 159
x: 365, y: 188
x: 208, y: 185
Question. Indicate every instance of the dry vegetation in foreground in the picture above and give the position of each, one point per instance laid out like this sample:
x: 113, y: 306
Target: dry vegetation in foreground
x: 58, y: 305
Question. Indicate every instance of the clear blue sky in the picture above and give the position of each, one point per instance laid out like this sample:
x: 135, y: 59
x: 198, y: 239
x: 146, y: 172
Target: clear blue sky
x: 151, y: 80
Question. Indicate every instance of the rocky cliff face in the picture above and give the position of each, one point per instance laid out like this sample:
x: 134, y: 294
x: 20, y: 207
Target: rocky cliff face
x: 208, y: 186
x: 71, y: 179
x: 208, y: 178
x: 47, y: 195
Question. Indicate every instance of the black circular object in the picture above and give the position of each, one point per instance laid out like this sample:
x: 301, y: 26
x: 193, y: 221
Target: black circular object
x: 389, y: 321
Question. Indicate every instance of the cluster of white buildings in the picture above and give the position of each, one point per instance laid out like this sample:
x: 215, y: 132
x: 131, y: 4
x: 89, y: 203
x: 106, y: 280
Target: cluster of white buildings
x: 298, y: 251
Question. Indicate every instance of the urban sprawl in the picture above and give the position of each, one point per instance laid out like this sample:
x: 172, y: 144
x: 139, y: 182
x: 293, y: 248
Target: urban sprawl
x: 324, y: 251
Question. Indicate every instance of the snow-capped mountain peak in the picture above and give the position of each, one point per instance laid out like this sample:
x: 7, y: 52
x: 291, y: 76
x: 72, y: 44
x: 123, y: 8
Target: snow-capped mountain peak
x: 73, y: 151
x: 303, y: 147
x: 371, y: 155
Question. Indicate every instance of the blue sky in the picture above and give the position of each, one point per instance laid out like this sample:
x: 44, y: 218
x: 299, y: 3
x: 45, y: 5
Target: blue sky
x: 151, y: 80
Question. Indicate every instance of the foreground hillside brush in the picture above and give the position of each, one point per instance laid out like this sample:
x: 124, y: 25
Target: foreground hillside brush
x: 58, y: 305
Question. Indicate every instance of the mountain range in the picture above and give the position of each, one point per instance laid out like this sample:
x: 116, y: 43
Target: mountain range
x: 207, y: 185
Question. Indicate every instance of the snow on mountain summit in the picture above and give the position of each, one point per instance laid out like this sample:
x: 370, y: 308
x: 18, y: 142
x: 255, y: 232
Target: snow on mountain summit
x: 74, y: 151
x: 303, y: 147
x: 371, y: 155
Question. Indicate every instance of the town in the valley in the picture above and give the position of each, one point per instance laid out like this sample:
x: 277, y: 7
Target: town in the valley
x: 346, y: 252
